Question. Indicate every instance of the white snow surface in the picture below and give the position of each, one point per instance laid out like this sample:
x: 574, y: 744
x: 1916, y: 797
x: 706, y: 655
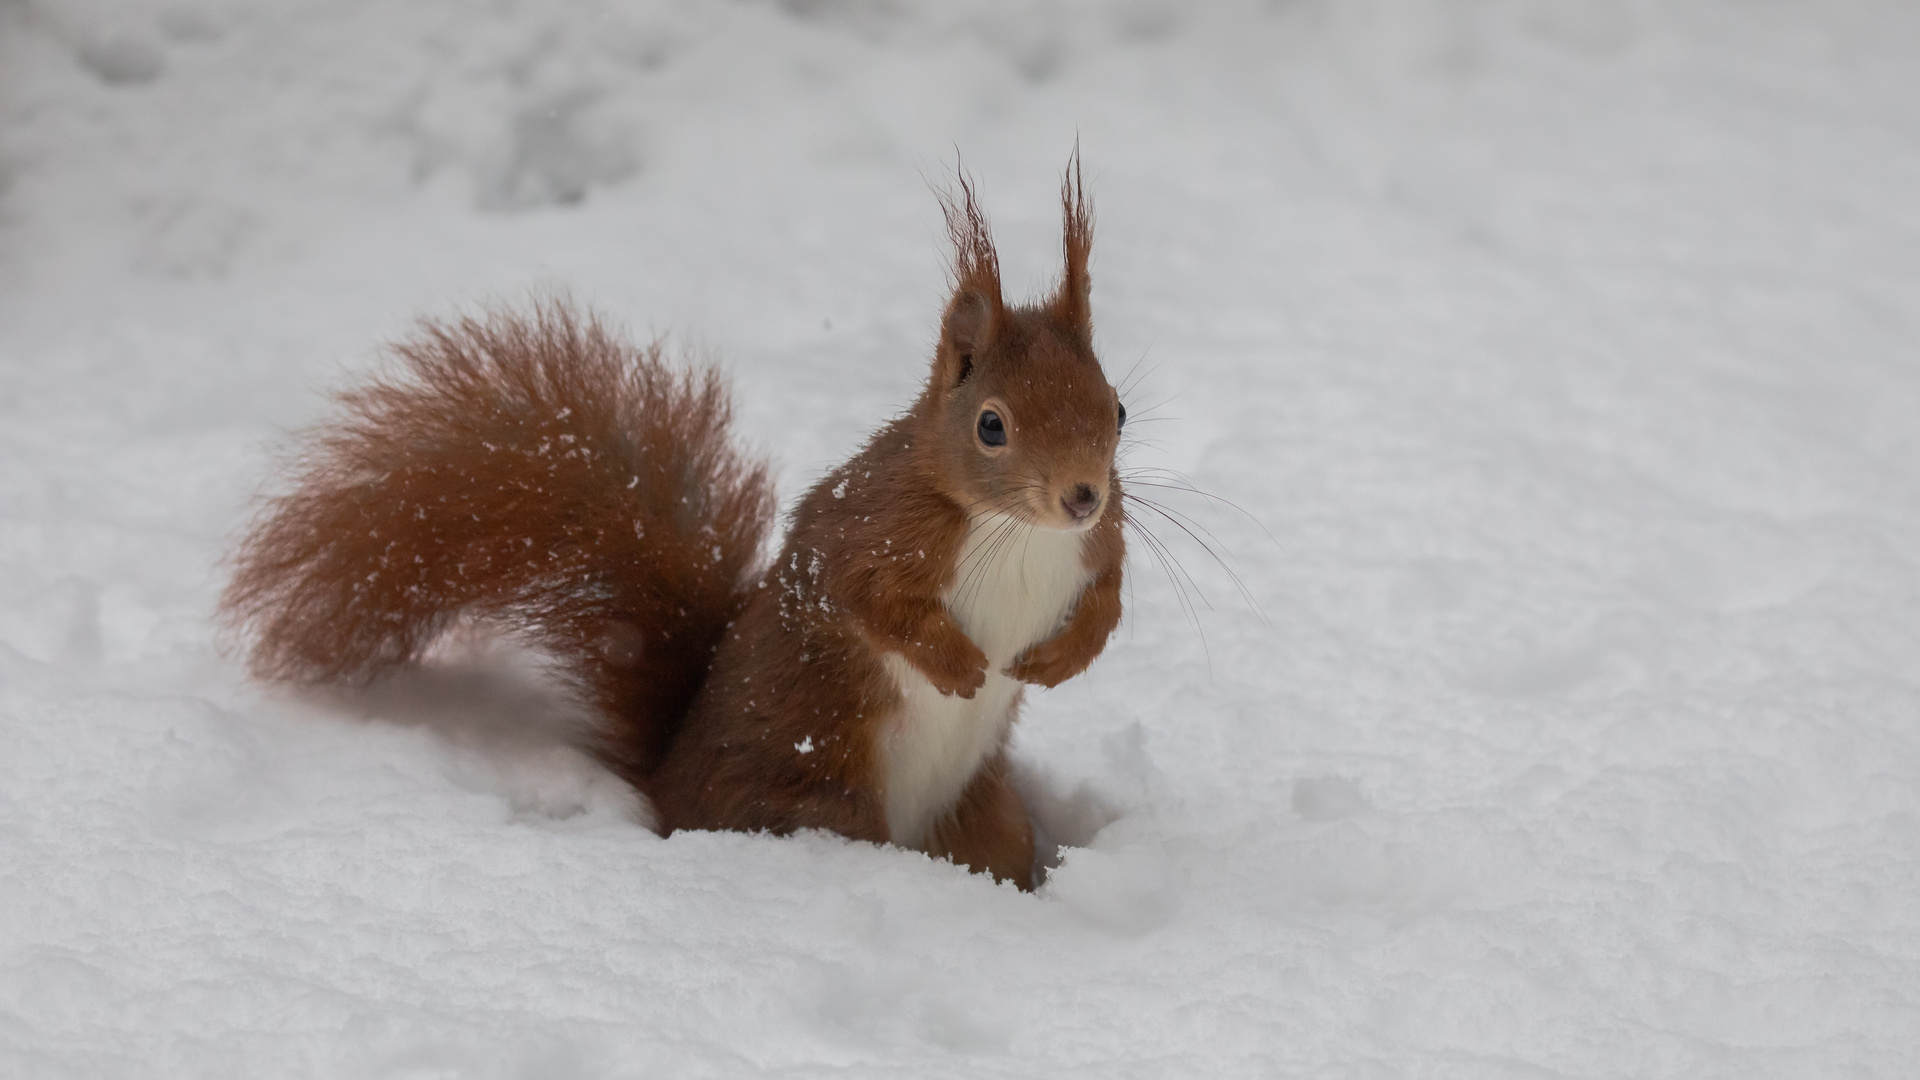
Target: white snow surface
x: 1563, y: 357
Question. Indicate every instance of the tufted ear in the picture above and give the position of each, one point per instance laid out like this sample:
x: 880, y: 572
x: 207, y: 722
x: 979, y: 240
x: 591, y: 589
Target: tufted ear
x: 1071, y: 302
x: 975, y: 313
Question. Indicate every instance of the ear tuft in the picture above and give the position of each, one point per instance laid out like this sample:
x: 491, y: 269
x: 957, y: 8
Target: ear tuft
x: 976, y: 310
x: 1072, y: 301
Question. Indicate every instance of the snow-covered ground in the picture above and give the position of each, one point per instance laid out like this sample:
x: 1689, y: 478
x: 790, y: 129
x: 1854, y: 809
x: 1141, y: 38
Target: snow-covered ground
x: 1563, y: 356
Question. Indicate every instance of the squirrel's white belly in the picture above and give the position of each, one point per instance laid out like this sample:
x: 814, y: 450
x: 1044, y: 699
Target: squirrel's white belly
x: 1014, y: 585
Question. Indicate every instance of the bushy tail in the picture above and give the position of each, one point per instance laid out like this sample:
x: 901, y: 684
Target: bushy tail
x: 532, y: 471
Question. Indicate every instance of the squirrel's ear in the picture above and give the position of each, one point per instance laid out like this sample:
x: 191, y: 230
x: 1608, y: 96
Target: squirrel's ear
x: 975, y: 313
x: 1071, y: 303
x: 969, y: 326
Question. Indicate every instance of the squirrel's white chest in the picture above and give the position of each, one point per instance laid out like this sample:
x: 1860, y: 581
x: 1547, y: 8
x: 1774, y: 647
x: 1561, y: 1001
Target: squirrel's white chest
x: 1014, y: 585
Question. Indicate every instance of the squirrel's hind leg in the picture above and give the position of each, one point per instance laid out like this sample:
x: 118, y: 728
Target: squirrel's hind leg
x: 988, y: 831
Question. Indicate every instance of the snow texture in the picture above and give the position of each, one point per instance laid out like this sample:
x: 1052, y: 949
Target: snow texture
x: 1564, y: 358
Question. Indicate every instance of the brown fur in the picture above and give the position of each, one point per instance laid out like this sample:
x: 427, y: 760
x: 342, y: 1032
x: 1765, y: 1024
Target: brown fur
x: 989, y: 830
x: 498, y: 481
x: 535, y: 472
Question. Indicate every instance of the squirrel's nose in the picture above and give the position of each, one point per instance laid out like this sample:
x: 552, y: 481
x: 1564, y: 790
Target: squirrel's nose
x: 1080, y: 501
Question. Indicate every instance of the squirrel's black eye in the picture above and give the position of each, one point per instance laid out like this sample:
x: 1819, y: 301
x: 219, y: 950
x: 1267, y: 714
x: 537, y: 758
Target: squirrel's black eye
x: 1123, y: 414
x: 992, y: 431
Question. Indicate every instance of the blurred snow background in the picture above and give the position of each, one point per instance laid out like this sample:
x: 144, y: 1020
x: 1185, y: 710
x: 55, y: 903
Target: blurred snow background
x: 1564, y: 355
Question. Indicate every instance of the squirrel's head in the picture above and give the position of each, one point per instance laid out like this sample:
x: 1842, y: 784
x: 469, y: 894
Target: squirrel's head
x: 1027, y: 421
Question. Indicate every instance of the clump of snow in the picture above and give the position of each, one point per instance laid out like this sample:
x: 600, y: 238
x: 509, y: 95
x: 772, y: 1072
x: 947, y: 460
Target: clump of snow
x: 1560, y: 355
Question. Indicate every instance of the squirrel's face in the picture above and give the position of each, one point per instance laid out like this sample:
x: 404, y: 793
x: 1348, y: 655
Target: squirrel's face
x: 1029, y: 422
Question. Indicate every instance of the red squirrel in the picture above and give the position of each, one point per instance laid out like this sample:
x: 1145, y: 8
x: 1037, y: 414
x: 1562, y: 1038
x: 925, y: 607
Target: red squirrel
x: 542, y: 475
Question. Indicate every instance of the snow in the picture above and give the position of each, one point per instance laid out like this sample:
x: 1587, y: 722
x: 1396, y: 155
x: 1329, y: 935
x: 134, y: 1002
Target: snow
x: 1561, y: 356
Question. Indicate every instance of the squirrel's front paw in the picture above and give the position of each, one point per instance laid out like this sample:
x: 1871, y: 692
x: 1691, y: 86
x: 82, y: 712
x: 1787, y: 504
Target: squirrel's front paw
x: 956, y: 671
x: 1048, y: 665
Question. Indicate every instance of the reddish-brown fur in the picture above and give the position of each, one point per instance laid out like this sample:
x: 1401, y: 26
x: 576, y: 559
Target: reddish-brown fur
x: 536, y: 472
x: 499, y: 480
